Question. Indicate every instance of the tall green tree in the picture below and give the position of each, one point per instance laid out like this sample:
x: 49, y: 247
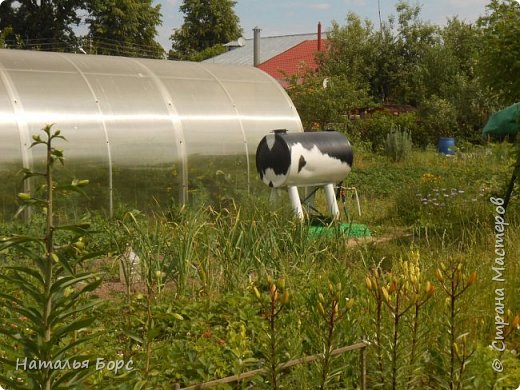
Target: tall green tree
x: 124, y: 27
x: 207, y: 25
x: 325, y: 100
x: 352, y: 51
x: 387, y: 62
x: 41, y: 24
x: 500, y: 50
x: 415, y: 38
x: 443, y: 82
x: 407, y: 61
x: 471, y: 99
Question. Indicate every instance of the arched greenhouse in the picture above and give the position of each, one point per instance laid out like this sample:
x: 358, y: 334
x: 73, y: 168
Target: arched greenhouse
x: 140, y: 130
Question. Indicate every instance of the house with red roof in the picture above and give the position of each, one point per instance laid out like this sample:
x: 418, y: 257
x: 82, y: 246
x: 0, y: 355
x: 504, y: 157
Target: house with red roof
x: 279, y: 56
x: 293, y: 61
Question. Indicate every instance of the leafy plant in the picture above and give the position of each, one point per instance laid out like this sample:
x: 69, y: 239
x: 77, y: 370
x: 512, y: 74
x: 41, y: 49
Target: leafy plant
x: 156, y: 267
x: 50, y: 295
x: 333, y: 307
x: 374, y: 282
x: 278, y: 297
x: 398, y: 144
x: 403, y: 293
x: 455, y: 280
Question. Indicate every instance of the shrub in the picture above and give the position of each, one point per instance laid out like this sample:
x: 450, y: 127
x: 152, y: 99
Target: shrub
x: 398, y: 144
x: 374, y: 128
x: 439, y: 119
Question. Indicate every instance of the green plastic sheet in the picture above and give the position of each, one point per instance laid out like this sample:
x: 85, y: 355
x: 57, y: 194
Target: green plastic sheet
x: 345, y: 229
x: 504, y: 122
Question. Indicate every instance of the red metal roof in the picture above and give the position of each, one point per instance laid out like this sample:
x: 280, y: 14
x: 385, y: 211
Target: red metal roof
x: 291, y: 61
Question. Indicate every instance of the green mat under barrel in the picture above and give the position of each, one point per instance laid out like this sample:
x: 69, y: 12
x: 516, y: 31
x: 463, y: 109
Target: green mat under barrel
x: 357, y: 230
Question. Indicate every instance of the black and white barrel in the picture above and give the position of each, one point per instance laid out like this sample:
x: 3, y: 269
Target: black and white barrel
x: 304, y: 159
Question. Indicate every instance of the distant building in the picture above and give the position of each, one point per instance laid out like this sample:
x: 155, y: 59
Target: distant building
x: 292, y: 61
x: 279, y: 56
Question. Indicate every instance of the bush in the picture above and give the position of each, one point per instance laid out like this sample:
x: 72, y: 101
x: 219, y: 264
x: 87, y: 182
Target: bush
x: 439, y: 119
x: 374, y: 128
x: 398, y: 144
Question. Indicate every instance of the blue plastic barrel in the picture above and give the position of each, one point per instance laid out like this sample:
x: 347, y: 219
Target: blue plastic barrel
x: 446, y: 145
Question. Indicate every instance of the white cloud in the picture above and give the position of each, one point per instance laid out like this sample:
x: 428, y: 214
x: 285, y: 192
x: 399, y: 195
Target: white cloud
x: 319, y: 6
x: 295, y: 5
x: 466, y: 3
x: 355, y: 3
x: 468, y: 10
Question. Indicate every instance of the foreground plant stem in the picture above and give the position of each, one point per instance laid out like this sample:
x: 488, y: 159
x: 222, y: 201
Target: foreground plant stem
x: 457, y: 284
x: 453, y: 313
x: 272, y: 325
x: 46, y: 285
x: 379, y: 330
x: 327, y: 353
x: 415, y: 331
x: 49, y: 247
x: 328, y: 345
x: 278, y: 298
x: 397, y: 317
x: 149, y: 326
x: 374, y: 287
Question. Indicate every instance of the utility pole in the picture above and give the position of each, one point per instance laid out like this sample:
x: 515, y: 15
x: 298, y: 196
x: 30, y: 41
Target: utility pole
x: 379, y: 13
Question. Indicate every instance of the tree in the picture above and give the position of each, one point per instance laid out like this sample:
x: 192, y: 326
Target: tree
x: 439, y: 118
x: 4, y: 33
x: 207, y: 24
x: 324, y: 100
x: 463, y: 88
x: 499, y: 63
x: 462, y: 40
x: 406, y: 61
x: 386, y: 60
x: 124, y: 27
x: 415, y: 38
x: 41, y: 24
x: 352, y: 51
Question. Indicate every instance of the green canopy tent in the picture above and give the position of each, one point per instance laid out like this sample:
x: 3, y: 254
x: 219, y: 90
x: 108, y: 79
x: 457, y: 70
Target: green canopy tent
x: 506, y: 122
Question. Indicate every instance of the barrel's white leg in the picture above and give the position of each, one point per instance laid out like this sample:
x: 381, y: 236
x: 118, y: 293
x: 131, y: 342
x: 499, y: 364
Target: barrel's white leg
x: 295, y: 201
x: 331, y: 200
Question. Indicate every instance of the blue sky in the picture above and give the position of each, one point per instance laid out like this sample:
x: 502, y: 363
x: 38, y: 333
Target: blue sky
x: 281, y: 17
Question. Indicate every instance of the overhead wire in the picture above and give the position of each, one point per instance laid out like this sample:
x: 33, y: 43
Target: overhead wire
x: 107, y: 45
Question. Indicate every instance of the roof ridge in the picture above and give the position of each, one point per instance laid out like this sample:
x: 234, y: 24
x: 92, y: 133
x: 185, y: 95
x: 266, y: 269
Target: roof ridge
x: 288, y: 35
x: 286, y: 50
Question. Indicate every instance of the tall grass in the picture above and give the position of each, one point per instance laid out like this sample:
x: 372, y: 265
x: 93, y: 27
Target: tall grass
x: 198, y: 318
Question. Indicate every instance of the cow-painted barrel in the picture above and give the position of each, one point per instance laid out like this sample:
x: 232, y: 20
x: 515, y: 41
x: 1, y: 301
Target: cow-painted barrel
x: 304, y: 159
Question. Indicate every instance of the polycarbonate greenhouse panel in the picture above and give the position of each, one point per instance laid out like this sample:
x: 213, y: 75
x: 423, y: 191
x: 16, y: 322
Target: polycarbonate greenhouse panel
x: 142, y: 131
x: 10, y: 155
